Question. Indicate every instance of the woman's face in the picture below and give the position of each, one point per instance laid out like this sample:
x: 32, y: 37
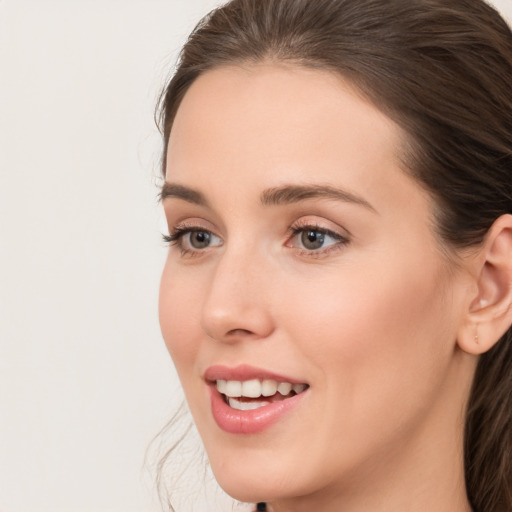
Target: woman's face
x: 304, y: 260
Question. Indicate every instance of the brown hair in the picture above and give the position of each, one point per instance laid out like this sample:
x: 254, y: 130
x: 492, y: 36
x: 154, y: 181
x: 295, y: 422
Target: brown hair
x: 442, y: 70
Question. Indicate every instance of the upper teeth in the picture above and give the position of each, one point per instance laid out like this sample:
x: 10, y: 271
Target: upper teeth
x: 255, y: 388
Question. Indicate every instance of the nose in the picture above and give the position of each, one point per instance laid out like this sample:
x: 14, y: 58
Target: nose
x: 236, y: 305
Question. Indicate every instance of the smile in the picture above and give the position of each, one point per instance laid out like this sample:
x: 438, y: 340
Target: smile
x: 246, y: 395
x: 247, y: 400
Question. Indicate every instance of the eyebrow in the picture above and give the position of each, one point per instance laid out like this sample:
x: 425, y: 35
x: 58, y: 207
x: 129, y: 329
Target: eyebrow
x: 288, y: 194
x: 285, y: 194
x: 181, y: 192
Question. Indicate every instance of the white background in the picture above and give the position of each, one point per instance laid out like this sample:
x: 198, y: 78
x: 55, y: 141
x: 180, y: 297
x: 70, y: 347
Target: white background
x: 85, y: 380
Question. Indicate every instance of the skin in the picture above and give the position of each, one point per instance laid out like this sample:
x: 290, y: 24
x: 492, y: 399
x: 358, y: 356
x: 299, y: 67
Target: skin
x: 370, y: 321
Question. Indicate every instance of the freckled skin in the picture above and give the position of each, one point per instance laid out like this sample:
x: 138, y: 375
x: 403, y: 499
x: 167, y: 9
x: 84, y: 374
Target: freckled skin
x: 370, y: 324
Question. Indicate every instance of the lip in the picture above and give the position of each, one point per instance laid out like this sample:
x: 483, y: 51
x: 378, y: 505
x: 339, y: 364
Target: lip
x: 245, y: 372
x: 253, y: 421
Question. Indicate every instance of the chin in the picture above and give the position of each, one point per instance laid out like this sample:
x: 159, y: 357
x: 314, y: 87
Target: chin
x: 250, y: 491
x: 252, y: 483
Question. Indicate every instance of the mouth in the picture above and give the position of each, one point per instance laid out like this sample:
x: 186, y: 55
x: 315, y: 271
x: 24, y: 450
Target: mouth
x: 247, y: 400
x: 253, y: 394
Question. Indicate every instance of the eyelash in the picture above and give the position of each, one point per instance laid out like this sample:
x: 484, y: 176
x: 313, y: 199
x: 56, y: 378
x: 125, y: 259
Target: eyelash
x: 304, y: 226
x: 175, y: 239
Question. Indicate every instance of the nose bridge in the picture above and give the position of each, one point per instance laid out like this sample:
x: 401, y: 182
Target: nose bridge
x: 236, y: 304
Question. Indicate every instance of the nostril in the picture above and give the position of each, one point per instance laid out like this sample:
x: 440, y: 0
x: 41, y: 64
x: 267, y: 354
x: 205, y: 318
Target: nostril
x: 230, y: 322
x: 239, y: 332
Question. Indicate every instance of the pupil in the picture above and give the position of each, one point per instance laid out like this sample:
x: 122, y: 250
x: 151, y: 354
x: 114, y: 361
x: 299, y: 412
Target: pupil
x: 200, y: 239
x: 312, y: 239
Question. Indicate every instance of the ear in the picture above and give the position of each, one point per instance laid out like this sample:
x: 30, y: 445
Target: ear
x: 489, y: 314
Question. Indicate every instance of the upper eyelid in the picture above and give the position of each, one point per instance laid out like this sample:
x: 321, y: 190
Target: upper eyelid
x: 321, y: 225
x: 192, y: 224
x: 178, y: 232
x: 328, y: 232
x: 315, y: 223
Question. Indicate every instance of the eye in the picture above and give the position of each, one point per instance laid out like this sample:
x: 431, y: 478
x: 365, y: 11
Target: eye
x: 198, y: 239
x: 192, y: 239
x: 315, y: 240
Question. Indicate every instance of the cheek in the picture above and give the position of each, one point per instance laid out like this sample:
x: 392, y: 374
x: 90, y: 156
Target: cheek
x: 378, y: 344
x: 375, y: 332
x: 178, y: 321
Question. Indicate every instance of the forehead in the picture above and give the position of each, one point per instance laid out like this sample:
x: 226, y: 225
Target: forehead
x: 248, y: 106
x: 269, y: 124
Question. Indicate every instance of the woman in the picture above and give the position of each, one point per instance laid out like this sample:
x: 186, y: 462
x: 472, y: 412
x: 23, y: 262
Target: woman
x: 337, y: 297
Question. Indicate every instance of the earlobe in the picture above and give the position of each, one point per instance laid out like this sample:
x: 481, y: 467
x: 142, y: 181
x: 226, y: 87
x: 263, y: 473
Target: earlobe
x: 489, y: 314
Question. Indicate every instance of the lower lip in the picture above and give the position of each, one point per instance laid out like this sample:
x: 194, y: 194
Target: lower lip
x: 234, y: 421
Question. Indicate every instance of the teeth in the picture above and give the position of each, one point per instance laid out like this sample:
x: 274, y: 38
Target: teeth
x: 268, y: 387
x: 221, y: 386
x: 255, y: 388
x: 284, y: 388
x: 233, y: 388
x: 299, y: 388
x: 251, y: 388
x: 245, y: 406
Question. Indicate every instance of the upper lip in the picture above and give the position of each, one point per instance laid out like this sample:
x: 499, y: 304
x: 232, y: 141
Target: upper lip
x: 245, y: 372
